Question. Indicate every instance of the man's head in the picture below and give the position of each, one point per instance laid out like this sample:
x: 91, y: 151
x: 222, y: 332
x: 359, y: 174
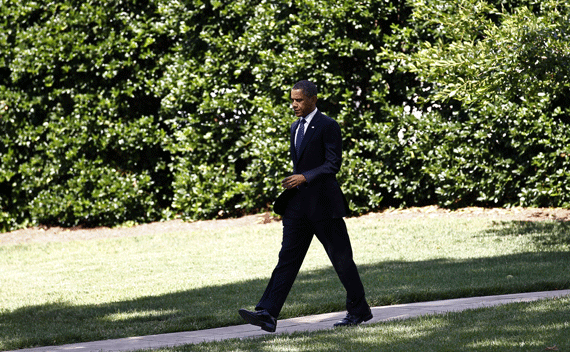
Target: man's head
x: 304, y: 98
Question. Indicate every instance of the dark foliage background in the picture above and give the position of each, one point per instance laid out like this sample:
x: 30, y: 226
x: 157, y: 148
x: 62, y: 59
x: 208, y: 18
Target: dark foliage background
x: 127, y: 110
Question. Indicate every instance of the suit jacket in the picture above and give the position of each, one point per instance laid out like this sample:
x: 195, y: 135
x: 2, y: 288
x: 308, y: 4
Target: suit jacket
x: 319, y: 160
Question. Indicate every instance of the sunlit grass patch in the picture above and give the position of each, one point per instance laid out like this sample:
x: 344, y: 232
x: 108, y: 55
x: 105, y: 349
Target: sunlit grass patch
x: 57, y: 293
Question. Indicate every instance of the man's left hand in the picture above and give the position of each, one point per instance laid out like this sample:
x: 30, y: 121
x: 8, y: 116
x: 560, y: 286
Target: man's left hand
x: 293, y: 181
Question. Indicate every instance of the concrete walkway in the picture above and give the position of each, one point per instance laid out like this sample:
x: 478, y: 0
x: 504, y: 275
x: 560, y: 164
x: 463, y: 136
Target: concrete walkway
x: 309, y: 323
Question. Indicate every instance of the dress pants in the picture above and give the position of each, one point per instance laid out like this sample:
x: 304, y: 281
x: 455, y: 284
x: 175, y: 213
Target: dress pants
x: 297, y: 236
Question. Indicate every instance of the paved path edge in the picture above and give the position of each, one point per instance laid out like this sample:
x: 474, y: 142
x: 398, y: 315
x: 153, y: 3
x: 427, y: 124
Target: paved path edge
x: 308, y: 323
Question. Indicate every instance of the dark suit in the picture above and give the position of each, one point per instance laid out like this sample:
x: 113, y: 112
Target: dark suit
x: 317, y: 207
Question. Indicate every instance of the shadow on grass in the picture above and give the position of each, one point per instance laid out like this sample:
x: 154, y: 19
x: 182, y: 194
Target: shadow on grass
x: 531, y: 326
x: 317, y: 291
x: 543, y: 233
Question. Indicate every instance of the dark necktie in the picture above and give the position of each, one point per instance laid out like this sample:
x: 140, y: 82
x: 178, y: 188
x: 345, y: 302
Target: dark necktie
x: 300, y: 135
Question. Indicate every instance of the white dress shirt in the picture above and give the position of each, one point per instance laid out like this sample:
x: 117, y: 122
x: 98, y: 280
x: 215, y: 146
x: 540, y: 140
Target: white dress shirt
x: 308, y: 119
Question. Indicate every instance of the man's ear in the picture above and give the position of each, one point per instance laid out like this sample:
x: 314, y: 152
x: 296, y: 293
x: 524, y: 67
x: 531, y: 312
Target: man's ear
x: 314, y: 100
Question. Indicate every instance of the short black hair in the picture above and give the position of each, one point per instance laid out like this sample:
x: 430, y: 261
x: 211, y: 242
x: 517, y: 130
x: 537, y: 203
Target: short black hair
x: 308, y: 88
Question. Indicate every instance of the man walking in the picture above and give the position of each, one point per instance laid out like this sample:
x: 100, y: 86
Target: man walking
x: 312, y: 204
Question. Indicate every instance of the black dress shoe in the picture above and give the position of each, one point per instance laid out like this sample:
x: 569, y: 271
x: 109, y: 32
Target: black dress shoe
x: 350, y: 319
x: 259, y: 318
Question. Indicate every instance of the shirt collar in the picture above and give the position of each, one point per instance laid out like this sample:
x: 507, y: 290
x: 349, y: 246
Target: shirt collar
x: 309, y: 117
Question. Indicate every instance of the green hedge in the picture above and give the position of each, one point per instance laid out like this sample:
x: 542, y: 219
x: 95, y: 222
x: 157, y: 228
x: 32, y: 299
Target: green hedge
x: 82, y: 135
x: 126, y: 110
x: 499, y: 84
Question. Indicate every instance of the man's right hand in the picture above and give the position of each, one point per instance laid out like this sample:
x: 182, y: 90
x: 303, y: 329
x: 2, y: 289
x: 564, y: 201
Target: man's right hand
x: 293, y: 181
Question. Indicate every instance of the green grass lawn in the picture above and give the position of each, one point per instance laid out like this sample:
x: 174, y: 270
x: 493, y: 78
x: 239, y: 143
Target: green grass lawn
x: 65, y: 292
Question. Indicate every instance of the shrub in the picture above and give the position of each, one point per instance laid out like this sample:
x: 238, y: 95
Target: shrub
x: 80, y: 120
x: 499, y: 80
x: 128, y: 110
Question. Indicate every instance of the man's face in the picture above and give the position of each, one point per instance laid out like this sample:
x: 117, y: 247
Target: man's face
x: 302, y: 105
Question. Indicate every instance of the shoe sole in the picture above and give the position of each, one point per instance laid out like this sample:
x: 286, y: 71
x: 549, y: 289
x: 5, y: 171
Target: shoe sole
x: 253, y: 321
